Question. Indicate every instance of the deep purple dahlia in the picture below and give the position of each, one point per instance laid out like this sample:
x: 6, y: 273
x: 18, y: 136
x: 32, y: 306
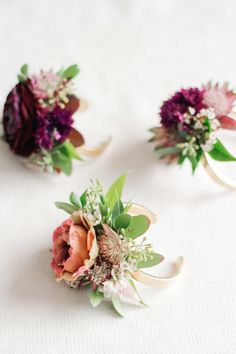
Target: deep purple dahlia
x: 172, y: 111
x: 19, y: 119
x: 53, y: 127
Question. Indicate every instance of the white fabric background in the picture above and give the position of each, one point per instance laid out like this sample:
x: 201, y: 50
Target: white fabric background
x: 132, y: 55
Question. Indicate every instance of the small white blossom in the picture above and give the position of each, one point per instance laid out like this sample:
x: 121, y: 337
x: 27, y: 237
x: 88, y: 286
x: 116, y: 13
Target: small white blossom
x: 209, y: 113
x: 191, y: 110
x: 198, y: 125
x: 121, y: 288
x: 209, y: 144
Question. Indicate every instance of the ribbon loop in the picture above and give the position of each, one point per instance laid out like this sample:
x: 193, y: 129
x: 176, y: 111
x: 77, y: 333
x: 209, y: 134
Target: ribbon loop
x: 146, y: 278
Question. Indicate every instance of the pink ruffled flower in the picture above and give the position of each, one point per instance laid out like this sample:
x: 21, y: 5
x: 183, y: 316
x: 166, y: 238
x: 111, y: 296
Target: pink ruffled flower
x: 221, y: 99
x: 74, y: 247
x: 45, y: 84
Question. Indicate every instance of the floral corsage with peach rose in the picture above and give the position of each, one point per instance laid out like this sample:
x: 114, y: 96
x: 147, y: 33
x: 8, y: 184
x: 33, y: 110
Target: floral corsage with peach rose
x: 101, y: 245
x: 38, y: 119
x: 190, y: 120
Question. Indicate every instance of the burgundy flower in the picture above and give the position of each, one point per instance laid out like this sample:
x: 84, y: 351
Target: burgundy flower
x: 172, y: 110
x: 19, y: 118
x: 53, y: 127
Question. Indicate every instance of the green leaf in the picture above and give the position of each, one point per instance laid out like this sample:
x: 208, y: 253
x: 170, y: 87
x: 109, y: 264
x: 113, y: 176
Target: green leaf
x: 161, y: 152
x: 117, y: 305
x: 117, y: 210
x: 60, y: 72
x: 103, y: 209
x: 181, y: 159
x: 199, y: 154
x: 71, y: 151
x: 220, y: 153
x: 21, y: 78
x: 71, y: 72
x: 62, y: 161
x: 182, y: 133
x: 96, y: 298
x: 83, y: 198
x: 151, y: 262
x: 207, y: 123
x: 122, y: 221
x: 114, y: 193
x: 68, y: 208
x: 74, y: 199
x: 24, y: 69
x: 193, y: 161
x: 138, y: 226
x: 102, y: 199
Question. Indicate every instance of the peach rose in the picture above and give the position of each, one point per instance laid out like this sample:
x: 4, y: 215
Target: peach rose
x: 74, y: 247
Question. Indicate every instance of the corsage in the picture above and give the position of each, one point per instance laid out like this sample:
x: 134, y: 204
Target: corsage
x: 38, y: 120
x: 99, y: 246
x: 190, y: 120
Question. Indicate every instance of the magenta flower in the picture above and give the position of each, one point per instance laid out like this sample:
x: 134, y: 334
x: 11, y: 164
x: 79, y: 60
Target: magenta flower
x: 19, y: 119
x: 53, y: 127
x: 172, y: 110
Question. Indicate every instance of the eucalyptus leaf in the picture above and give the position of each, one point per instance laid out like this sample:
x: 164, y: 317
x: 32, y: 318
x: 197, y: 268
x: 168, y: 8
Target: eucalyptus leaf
x: 161, y: 152
x: 151, y: 262
x: 62, y: 161
x: 96, y: 298
x: 71, y: 151
x: 138, y: 226
x: 220, y: 153
x: 114, y: 193
x: 70, y: 72
x: 24, y: 69
x: 68, y: 208
x: 117, y: 305
x: 75, y: 200
x: 122, y: 221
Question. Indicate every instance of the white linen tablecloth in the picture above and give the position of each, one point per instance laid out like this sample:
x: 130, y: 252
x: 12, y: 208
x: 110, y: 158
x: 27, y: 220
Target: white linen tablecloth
x: 132, y: 55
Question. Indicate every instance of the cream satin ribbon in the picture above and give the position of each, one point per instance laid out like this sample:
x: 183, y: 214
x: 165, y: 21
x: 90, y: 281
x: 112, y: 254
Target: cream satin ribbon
x: 87, y: 151
x: 216, y: 176
x: 146, y: 278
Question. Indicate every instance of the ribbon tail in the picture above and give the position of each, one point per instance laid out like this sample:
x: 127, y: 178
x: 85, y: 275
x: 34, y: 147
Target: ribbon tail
x: 137, y: 209
x: 159, y: 281
x: 93, y: 151
x: 217, y: 176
